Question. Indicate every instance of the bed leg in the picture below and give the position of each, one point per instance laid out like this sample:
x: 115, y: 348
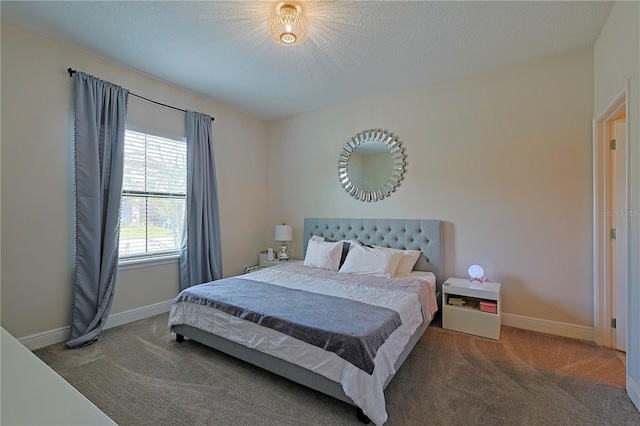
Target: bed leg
x: 362, y: 417
x: 179, y: 338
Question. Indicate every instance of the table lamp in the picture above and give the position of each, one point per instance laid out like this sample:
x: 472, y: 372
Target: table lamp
x: 284, y: 233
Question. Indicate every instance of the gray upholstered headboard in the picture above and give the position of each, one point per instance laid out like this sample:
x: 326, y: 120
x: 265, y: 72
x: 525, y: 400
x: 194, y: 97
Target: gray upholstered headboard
x: 409, y: 234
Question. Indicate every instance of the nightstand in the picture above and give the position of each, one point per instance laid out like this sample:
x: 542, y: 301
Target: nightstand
x: 462, y: 310
x: 265, y: 263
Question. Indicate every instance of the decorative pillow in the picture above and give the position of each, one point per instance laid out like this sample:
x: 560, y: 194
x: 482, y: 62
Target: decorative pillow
x: 346, y: 246
x: 407, y: 262
x: 370, y: 260
x: 323, y: 255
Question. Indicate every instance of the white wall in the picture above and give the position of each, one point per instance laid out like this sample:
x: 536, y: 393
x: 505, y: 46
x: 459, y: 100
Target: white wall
x: 504, y: 157
x: 37, y: 183
x: 616, y: 59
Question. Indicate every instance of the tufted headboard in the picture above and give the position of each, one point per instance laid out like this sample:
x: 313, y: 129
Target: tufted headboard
x: 407, y: 234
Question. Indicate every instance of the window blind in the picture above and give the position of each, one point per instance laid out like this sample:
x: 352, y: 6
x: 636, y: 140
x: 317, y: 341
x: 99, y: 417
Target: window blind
x: 153, y: 195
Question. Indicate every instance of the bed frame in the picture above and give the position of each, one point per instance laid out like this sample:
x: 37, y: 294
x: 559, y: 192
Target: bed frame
x: 411, y: 234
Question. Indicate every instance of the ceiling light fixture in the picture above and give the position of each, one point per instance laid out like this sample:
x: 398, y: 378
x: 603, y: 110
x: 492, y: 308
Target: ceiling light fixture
x: 287, y: 25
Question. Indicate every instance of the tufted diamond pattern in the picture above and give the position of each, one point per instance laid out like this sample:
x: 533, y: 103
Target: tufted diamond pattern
x: 406, y: 234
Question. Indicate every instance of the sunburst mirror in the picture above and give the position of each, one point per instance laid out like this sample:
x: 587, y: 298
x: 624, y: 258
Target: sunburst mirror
x: 372, y: 165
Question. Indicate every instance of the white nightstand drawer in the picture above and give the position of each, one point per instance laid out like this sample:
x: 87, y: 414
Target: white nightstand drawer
x: 471, y: 321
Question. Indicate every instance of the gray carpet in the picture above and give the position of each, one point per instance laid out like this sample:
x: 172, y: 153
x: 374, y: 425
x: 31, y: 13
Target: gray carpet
x: 138, y: 375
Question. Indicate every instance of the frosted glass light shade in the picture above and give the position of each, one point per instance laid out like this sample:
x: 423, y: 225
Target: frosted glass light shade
x: 476, y: 273
x: 284, y: 233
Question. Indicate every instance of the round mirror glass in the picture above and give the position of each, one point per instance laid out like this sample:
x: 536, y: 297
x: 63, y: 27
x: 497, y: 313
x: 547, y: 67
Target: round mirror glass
x: 371, y: 165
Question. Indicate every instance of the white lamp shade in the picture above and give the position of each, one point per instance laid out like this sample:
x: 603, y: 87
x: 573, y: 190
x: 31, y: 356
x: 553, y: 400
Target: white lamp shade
x: 284, y: 233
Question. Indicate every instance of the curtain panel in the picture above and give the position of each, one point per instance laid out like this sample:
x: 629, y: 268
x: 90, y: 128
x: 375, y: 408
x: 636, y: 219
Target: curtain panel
x: 99, y: 125
x: 200, y: 256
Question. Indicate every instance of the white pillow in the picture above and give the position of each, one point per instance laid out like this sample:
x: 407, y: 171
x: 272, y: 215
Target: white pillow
x: 343, y: 254
x: 323, y: 255
x: 408, y: 261
x: 370, y: 260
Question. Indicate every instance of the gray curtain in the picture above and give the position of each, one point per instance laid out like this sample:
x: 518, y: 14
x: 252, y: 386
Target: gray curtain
x: 100, y: 109
x: 200, y: 257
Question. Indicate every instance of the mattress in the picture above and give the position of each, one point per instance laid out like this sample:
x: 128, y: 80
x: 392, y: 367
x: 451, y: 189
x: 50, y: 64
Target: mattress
x: 413, y: 297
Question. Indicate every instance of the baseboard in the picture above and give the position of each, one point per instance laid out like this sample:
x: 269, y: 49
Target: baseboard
x: 46, y: 338
x: 40, y: 340
x: 546, y: 326
x: 126, y: 317
x: 633, y: 389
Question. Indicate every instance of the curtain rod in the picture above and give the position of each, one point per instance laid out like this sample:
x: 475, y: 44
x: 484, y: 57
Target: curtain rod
x: 72, y: 72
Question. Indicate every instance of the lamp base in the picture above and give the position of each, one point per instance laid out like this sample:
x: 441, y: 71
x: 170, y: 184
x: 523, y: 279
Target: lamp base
x: 283, y: 256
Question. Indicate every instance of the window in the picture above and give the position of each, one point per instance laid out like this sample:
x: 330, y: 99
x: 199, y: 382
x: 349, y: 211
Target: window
x: 153, y: 195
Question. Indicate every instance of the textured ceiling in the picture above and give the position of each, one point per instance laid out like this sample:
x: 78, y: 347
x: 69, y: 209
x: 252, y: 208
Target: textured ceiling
x: 355, y: 48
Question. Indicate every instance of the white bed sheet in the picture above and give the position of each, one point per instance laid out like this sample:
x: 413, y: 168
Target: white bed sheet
x: 429, y: 277
x: 365, y: 390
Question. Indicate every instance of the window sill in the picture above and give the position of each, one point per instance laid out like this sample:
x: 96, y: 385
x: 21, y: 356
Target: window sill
x: 123, y: 265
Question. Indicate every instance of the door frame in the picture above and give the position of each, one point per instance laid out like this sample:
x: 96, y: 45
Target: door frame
x: 603, y: 303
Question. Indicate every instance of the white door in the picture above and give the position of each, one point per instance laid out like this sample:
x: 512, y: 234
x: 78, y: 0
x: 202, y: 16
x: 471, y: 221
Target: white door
x: 621, y: 218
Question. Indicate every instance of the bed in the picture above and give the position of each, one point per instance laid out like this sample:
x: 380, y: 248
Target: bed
x: 333, y: 371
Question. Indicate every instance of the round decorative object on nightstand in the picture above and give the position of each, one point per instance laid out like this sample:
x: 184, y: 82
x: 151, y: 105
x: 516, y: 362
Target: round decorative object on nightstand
x: 476, y: 273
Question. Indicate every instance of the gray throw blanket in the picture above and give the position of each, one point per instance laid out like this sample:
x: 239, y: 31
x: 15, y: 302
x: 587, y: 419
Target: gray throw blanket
x: 353, y: 330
